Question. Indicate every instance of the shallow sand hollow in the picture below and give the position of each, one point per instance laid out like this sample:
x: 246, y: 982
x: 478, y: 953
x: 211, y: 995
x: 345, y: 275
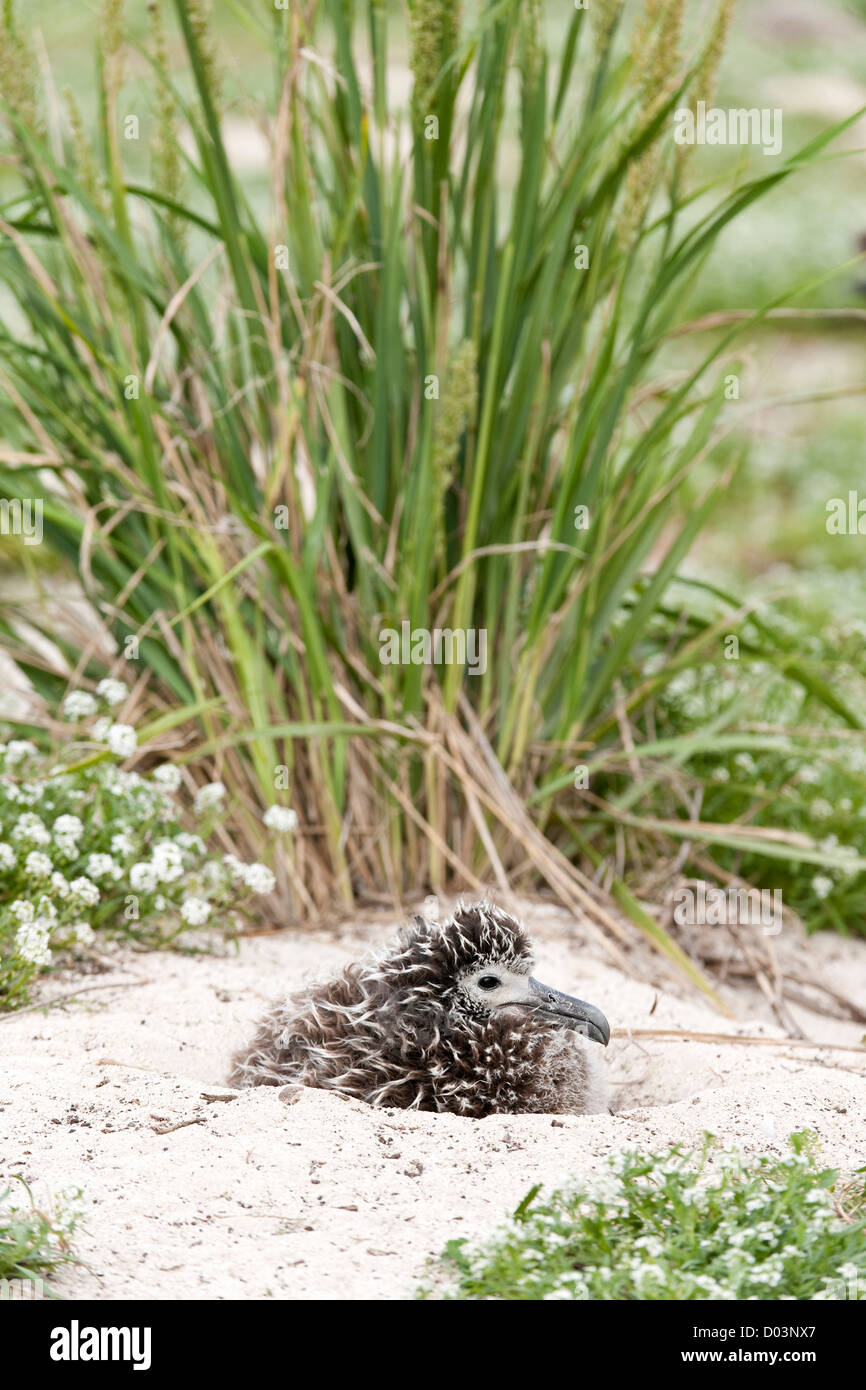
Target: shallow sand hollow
x: 193, y: 1196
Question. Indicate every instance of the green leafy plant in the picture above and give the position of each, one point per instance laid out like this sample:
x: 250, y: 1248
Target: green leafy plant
x: 33, y: 1242
x: 89, y: 847
x: 755, y: 768
x: 678, y: 1226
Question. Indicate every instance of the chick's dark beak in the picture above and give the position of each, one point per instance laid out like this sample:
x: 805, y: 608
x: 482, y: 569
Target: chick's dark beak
x: 570, y: 1013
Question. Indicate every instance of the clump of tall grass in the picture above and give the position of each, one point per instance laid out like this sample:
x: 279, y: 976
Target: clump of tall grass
x: 420, y: 386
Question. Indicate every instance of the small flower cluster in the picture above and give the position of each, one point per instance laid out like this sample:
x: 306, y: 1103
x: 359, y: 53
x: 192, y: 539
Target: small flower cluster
x: 101, y: 848
x: 672, y: 1228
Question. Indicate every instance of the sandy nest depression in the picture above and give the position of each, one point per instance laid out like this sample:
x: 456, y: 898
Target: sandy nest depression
x: 189, y: 1195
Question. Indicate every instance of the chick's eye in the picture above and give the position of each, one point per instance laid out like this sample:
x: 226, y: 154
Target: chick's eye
x: 488, y: 982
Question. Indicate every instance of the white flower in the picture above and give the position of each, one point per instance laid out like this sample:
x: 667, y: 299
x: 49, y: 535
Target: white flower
x: 121, y: 783
x: 142, y: 878
x: 7, y: 857
x: 821, y: 808
x: 236, y: 867
x: 167, y: 861
x: 101, y: 866
x: 79, y: 704
x: 69, y: 827
x: 822, y: 885
x: 22, y: 909
x: 195, y: 911
x: 45, y: 910
x: 99, y: 732
x: 84, y: 933
x: 281, y: 818
x: 651, y: 1244
x: 160, y: 903
x: 37, y: 864
x: 211, y: 794
x: 167, y: 776
x: 85, y: 891
x: 192, y: 843
x: 66, y: 847
x: 30, y: 827
x: 122, y: 740
x: 31, y: 940
x: 122, y: 843
x: 259, y: 878
x: 59, y: 886
x: 17, y: 749
x: 112, y: 692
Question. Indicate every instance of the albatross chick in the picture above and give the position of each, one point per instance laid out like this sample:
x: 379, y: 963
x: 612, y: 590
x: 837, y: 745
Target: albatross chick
x: 449, y: 1019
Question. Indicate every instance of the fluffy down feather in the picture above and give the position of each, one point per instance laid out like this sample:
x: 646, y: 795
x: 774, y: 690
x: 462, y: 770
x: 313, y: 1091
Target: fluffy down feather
x: 399, y: 1029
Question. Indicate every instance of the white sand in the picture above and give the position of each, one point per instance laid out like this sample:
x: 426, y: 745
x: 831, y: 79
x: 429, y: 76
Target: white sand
x: 326, y: 1197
